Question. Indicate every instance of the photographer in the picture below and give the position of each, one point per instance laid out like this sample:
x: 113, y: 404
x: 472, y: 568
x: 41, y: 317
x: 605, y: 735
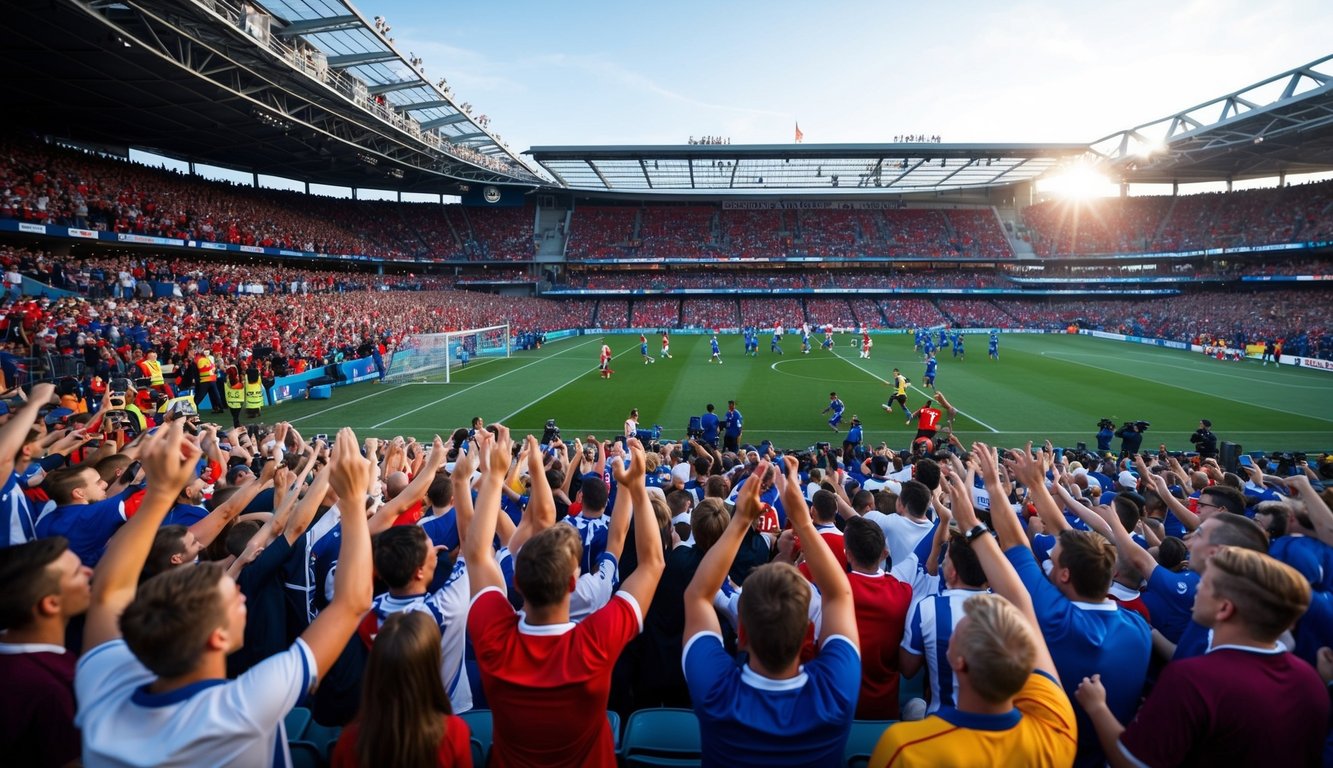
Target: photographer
x: 1131, y: 437
x: 1105, y: 431
x: 1205, y: 442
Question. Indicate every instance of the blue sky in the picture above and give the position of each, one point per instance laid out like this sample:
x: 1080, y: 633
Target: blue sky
x: 618, y: 73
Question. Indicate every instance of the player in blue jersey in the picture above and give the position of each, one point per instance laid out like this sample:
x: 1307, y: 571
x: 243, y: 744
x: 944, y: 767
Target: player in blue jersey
x: 931, y: 365
x: 958, y: 346
x: 717, y: 353
x: 776, y: 345
x: 805, y: 339
x: 944, y: 339
x: 836, y: 407
x: 994, y: 350
x: 643, y: 350
x: 918, y: 338
x: 928, y: 346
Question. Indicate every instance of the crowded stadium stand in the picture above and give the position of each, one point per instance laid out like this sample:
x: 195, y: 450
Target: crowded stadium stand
x: 178, y: 592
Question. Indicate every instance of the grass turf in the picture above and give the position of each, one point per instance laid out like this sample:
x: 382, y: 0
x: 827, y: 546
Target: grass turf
x: 1043, y: 386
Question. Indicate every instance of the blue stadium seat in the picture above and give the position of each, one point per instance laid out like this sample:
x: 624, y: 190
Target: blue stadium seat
x: 478, y: 755
x: 296, y: 722
x: 306, y: 755
x: 614, y: 718
x: 321, y: 736
x: 662, y: 737
x: 480, y: 723
x: 862, y: 740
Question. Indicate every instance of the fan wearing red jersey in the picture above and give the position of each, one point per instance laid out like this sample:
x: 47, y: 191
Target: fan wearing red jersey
x: 547, y: 680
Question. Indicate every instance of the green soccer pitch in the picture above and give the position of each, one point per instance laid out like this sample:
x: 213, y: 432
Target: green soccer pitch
x: 1043, y: 386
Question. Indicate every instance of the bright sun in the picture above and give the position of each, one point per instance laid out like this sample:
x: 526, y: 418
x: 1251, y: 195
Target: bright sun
x: 1078, y: 183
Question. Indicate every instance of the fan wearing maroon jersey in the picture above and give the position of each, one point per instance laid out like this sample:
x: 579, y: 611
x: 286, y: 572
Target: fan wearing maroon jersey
x: 547, y: 679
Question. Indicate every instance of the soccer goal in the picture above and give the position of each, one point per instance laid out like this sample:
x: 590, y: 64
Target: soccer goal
x: 435, y: 357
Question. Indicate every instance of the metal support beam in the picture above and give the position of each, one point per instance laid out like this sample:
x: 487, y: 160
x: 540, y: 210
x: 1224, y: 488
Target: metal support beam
x: 356, y: 59
x: 377, y: 90
x: 598, y: 171
x: 315, y: 26
x: 443, y: 121
x: 433, y: 104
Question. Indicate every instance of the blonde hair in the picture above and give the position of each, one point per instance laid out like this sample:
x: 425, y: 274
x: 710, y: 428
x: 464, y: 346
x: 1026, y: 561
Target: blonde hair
x: 998, y: 646
x: 1269, y: 595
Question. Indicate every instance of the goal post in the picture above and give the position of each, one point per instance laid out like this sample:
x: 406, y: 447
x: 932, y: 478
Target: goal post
x: 437, y: 356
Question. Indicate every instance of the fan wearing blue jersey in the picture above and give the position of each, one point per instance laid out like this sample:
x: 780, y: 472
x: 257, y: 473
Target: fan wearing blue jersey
x: 772, y: 710
x: 151, y: 685
x: 835, y: 405
x: 1089, y: 633
x: 1011, y: 709
x: 18, y: 524
x: 717, y: 352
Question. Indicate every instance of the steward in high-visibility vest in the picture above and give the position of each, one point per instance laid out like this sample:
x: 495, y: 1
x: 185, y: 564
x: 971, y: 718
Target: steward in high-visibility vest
x: 208, y: 382
x: 254, y: 391
x: 152, y: 369
x: 235, y: 393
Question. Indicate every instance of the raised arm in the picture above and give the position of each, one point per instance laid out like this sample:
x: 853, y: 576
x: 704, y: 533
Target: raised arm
x: 1138, y: 557
x: 838, y: 613
x: 169, y: 461
x: 642, y: 584
x: 1320, y: 515
x: 415, y: 490
x: 1183, y: 513
x: 483, y: 571
x: 708, y: 577
x: 539, y: 514
x: 1002, y: 516
x: 1004, y: 580
x: 208, y: 529
x: 15, y: 431
x: 349, y: 476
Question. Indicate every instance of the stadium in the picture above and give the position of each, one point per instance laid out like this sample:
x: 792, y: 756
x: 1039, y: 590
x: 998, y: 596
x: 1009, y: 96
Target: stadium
x: 380, y: 259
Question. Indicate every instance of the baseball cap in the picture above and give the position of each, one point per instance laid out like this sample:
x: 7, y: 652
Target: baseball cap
x: 235, y: 472
x: 57, y: 414
x: 1127, y: 479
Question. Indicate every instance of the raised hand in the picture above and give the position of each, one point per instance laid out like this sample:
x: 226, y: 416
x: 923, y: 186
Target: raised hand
x: 748, y: 505
x: 349, y: 471
x: 1028, y: 470
x: 501, y: 453
x: 637, y: 465
x: 168, y: 459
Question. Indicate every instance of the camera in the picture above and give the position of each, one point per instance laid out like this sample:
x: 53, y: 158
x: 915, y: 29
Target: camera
x: 550, y: 433
x: 1106, y: 424
x: 823, y: 447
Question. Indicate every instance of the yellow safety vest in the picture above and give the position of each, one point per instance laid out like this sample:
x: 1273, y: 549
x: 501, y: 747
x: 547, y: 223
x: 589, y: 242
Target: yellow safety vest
x: 235, y: 397
x: 154, y: 370
x: 206, y: 371
x: 254, y: 395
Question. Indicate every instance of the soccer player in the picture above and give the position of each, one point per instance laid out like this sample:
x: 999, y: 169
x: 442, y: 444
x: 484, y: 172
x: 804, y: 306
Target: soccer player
x: 776, y: 344
x: 828, y: 338
x: 958, y: 345
x: 927, y: 421
x: 866, y: 344
x: 835, y: 405
x: 605, y: 364
x: 805, y: 338
x: 643, y: 350
x: 666, y: 345
x: 717, y: 352
x: 932, y: 365
x: 994, y: 350
x: 772, y: 710
x: 899, y: 384
x: 928, y: 346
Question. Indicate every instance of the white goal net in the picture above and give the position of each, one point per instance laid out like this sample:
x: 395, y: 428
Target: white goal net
x: 438, y: 356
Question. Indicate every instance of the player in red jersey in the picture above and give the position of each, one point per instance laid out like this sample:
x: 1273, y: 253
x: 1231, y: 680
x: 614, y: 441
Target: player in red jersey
x: 605, y: 364
x: 927, y: 421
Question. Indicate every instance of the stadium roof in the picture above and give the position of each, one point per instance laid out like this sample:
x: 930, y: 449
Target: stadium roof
x: 289, y: 93
x: 1280, y: 125
x: 807, y: 169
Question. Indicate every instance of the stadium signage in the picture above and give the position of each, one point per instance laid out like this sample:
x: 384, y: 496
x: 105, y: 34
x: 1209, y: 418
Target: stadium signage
x: 126, y: 237
x: 809, y: 205
x: 87, y: 234
x: 36, y: 229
